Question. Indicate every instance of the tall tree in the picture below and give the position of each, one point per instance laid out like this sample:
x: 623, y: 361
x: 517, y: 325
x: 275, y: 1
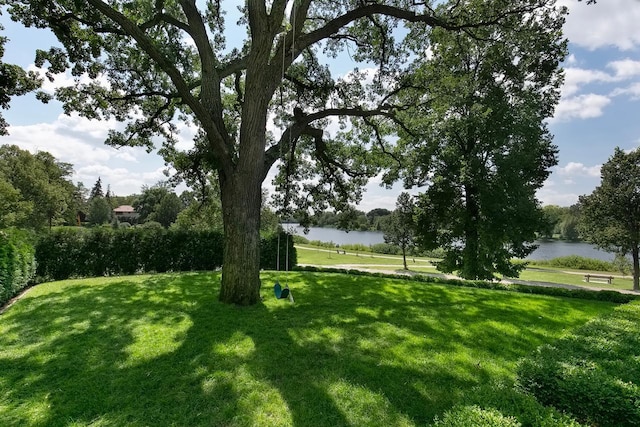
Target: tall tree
x: 479, y: 141
x: 401, y: 228
x: 41, y: 182
x: 610, y: 216
x: 163, y: 61
x: 96, y: 190
x: 100, y: 212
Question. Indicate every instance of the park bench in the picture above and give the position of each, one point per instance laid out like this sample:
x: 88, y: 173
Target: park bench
x: 596, y: 278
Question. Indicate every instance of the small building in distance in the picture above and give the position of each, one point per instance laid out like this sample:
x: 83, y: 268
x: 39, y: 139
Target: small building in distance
x: 126, y: 213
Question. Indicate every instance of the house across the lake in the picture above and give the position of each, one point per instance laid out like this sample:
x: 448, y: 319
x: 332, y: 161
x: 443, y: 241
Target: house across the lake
x: 126, y: 213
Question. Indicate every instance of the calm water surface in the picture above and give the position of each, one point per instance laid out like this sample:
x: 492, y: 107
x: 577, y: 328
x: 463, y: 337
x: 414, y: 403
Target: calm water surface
x: 546, y: 249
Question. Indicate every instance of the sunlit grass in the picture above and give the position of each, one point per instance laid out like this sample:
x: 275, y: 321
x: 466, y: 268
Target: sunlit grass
x: 310, y: 255
x: 352, y: 351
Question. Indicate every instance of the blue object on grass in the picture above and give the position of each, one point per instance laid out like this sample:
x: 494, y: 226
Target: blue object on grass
x: 280, y: 291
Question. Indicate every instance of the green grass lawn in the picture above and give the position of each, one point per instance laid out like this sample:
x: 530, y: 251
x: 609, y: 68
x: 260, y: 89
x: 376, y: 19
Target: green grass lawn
x: 160, y: 350
x: 326, y: 258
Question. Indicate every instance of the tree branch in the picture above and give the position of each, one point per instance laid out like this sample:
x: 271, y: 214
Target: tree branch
x: 149, y: 47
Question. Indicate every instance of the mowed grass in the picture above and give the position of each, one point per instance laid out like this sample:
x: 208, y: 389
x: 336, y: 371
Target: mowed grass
x: 310, y: 255
x: 160, y: 350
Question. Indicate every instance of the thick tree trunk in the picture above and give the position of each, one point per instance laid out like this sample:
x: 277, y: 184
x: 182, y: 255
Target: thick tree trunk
x: 470, y: 261
x: 636, y: 268
x: 241, y: 200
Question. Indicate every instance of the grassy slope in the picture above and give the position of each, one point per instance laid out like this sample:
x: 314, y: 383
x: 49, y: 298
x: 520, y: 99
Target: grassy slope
x: 357, y: 351
x: 322, y: 257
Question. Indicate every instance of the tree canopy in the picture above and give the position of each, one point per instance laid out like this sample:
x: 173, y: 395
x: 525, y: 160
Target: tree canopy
x: 478, y: 140
x: 610, y: 216
x: 35, y: 189
x: 153, y: 63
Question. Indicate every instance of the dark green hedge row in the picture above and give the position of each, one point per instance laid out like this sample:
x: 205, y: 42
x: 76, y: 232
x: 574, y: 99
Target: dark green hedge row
x: 592, y: 374
x: 610, y: 296
x: 17, y: 263
x: 79, y: 252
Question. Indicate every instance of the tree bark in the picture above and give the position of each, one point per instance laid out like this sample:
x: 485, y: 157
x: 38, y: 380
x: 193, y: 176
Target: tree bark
x: 636, y: 268
x: 241, y: 201
x: 470, y: 261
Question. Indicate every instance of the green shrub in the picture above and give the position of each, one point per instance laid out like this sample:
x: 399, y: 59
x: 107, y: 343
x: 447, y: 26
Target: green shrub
x: 356, y: 247
x: 385, y: 248
x: 594, y: 373
x: 330, y: 245
x: 17, y: 262
x: 300, y: 239
x: 579, y: 263
x: 474, y: 416
x: 269, y: 253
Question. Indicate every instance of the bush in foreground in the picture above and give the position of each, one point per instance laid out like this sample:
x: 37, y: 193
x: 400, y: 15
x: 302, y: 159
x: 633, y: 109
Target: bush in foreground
x: 474, y: 416
x: 594, y: 373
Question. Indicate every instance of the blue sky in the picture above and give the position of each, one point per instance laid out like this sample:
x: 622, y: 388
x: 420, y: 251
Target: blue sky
x: 598, y: 111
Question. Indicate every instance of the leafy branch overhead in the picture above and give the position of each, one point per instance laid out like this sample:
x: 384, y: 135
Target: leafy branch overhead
x: 264, y: 98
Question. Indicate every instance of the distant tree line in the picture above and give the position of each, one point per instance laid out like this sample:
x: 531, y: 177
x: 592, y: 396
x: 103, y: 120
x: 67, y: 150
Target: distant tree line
x: 36, y: 192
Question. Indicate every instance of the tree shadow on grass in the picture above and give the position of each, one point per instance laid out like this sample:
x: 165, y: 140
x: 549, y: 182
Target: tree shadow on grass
x: 160, y: 350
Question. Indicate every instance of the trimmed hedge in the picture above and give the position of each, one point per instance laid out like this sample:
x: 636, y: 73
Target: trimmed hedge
x: 17, y: 263
x: 610, y: 296
x: 79, y: 252
x: 592, y: 374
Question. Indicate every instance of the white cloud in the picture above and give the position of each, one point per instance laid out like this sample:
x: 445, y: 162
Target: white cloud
x: 606, y: 23
x: 625, y: 68
x: 581, y: 107
x: 80, y: 142
x: 633, y: 91
x: 575, y: 78
x: 575, y: 169
x: 548, y: 196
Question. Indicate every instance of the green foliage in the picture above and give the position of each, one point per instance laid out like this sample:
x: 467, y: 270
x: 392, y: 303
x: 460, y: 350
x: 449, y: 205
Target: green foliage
x: 579, y: 263
x: 159, y: 204
x: 483, y: 149
x: 474, y: 416
x: 385, y: 248
x: 36, y: 189
x: 622, y: 264
x: 355, y: 247
x: 321, y: 244
x: 270, y: 254
x: 611, y: 214
x: 17, y: 262
x: 400, y: 229
x: 593, y: 373
x: 103, y: 251
x: 300, y: 239
x: 100, y: 211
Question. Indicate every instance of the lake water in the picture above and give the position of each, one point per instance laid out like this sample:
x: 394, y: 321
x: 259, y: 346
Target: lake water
x: 546, y: 249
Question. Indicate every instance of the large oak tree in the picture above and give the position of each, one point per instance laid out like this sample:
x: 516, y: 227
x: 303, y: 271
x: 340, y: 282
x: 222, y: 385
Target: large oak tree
x: 156, y: 62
